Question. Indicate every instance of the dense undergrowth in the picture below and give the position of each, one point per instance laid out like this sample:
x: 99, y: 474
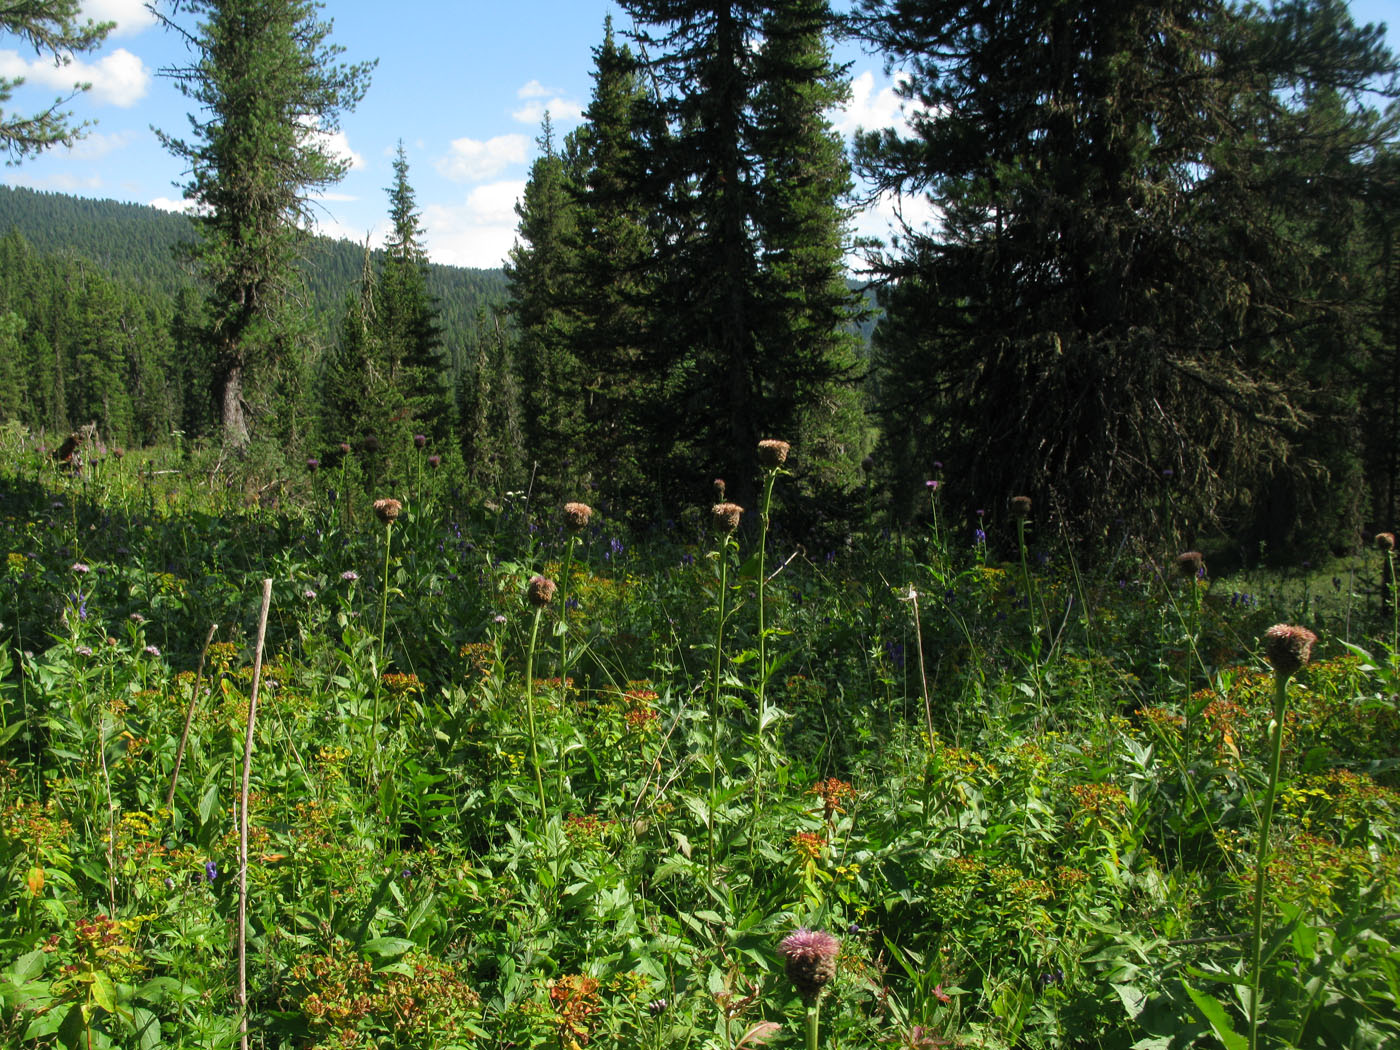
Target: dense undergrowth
x: 1038, y: 828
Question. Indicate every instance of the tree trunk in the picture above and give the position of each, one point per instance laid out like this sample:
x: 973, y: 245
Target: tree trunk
x: 235, y: 422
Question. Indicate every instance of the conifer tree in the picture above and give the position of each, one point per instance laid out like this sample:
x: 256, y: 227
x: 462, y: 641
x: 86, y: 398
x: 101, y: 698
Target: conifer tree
x: 268, y: 88
x: 745, y: 321
x: 52, y: 28
x: 1117, y: 287
x: 540, y: 268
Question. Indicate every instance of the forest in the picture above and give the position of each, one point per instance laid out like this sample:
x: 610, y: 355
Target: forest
x: 681, y: 638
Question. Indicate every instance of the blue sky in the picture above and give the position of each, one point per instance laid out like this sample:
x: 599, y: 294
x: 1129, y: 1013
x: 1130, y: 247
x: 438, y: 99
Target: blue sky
x: 464, y: 85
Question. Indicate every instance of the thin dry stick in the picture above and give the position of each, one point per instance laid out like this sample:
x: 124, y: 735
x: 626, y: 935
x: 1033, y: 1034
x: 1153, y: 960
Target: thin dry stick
x: 189, y: 717
x: 243, y: 823
x: 923, y: 674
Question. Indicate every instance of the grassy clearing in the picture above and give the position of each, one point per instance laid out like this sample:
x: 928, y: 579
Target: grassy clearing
x: 1037, y: 828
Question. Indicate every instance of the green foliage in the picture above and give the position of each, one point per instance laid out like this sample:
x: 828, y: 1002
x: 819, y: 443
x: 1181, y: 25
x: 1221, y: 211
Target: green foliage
x: 52, y: 28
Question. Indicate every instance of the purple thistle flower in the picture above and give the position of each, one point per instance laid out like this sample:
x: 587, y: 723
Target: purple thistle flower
x: 80, y: 568
x: 810, y: 959
x: 211, y: 871
x: 350, y: 574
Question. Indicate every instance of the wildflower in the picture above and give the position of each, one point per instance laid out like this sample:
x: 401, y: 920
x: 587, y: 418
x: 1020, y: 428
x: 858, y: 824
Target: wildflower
x: 810, y: 959
x: 83, y: 650
x: 1385, y: 541
x: 344, y: 448
x: 435, y: 461
x: 726, y: 516
x: 313, y: 464
x: 499, y: 618
x: 576, y: 516
x: 1021, y: 506
x: 118, y: 452
x: 540, y: 592
x: 151, y: 650
x: 136, y: 618
x: 387, y: 510
x: 350, y: 575
x: 80, y: 568
x: 979, y: 536
x: 867, y: 464
x: 211, y: 871
x: 1288, y: 648
x: 1191, y: 565
x: 1168, y: 473
x: 419, y: 440
x: 309, y: 594
x: 933, y: 485
x: 772, y: 453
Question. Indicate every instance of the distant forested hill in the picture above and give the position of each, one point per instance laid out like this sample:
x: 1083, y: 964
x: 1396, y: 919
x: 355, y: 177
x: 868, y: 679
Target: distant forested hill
x: 136, y: 244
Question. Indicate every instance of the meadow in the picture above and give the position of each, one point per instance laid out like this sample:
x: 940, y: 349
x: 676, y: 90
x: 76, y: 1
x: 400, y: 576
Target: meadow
x: 490, y: 773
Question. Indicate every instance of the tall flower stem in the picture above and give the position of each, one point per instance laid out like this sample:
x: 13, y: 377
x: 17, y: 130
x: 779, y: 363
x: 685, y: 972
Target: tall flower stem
x: 1288, y: 649
x: 379, y: 654
x: 1030, y: 608
x: 761, y: 688
x: 530, y: 708
x: 564, y: 615
x: 813, y: 1022
x: 714, y: 701
x: 1261, y: 875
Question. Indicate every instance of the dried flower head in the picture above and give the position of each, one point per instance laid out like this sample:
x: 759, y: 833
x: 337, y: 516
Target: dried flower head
x: 1021, y: 506
x: 772, y: 453
x: 726, y: 516
x: 1288, y: 648
x: 387, y: 510
x: 345, y: 448
x: 1190, y: 565
x: 719, y: 490
x: 810, y: 959
x: 576, y: 516
x: 540, y: 592
x: 1385, y: 541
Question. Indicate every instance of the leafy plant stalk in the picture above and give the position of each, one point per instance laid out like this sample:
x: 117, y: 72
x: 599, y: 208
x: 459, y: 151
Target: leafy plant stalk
x: 714, y: 702
x: 1261, y: 876
x: 530, y: 708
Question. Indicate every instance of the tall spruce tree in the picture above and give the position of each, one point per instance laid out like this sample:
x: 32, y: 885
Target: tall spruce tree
x: 609, y: 295
x: 1117, y: 287
x: 540, y: 269
x: 743, y: 331
x: 405, y: 321
x: 269, y: 88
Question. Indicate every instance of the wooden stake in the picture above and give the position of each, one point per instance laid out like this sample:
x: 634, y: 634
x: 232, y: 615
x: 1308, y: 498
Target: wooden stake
x: 243, y: 823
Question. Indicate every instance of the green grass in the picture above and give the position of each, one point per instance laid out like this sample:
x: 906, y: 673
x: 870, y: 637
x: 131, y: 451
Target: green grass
x: 1066, y: 862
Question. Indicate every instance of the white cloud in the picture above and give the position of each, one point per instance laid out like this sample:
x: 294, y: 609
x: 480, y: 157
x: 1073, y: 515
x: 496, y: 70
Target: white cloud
x: 118, y: 79
x: 534, y: 89
x: 562, y: 112
x: 479, y: 231
x: 870, y: 108
x: 472, y: 160
x: 131, y: 16
x: 184, y: 207
x: 337, y: 143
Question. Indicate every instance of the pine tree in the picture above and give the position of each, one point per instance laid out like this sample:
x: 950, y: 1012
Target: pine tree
x: 609, y: 294
x: 540, y: 268
x: 747, y: 311
x: 51, y: 28
x: 269, y: 88
x: 1113, y: 291
x: 405, y: 321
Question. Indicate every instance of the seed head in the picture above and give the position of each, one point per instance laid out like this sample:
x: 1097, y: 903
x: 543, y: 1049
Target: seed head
x: 435, y: 461
x: 1021, y: 506
x: 1385, y: 541
x: 772, y: 453
x: 1288, y: 648
x: 726, y: 516
x: 387, y: 510
x: 540, y: 592
x: 719, y: 490
x: 1190, y: 565
x: 810, y: 960
x: 576, y: 516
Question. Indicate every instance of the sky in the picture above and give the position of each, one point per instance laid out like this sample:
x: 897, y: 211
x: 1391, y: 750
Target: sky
x: 463, y: 85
